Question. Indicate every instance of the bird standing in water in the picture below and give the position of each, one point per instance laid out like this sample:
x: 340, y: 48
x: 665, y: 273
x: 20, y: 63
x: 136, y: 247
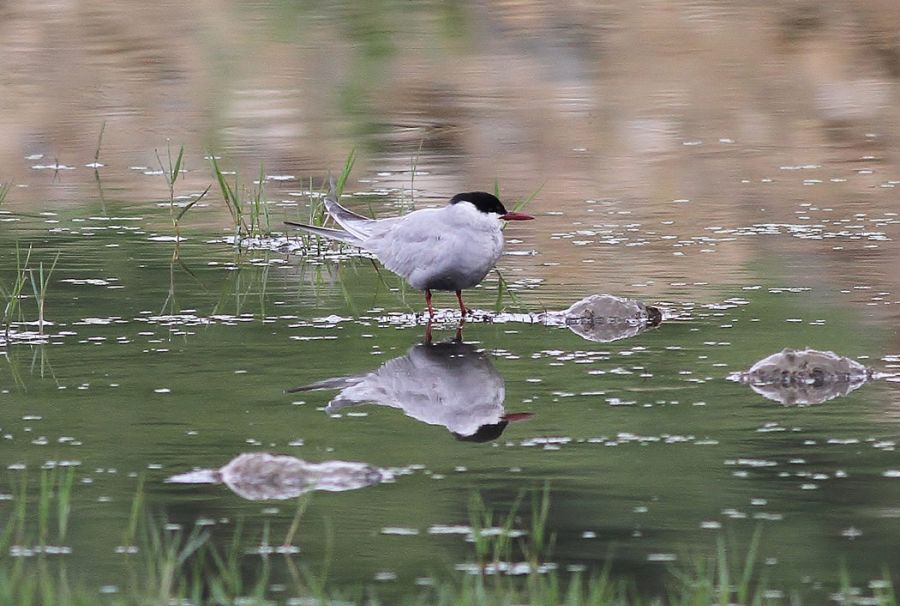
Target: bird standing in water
x: 448, y: 248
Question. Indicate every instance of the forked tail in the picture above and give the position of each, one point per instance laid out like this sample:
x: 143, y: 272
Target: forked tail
x: 332, y: 234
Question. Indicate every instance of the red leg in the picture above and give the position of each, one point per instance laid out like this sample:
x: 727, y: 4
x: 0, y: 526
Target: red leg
x: 462, y: 307
x: 428, y: 302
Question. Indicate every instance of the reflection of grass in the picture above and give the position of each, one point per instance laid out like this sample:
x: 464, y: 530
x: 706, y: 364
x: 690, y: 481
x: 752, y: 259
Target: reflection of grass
x: 239, y: 289
x: 184, y: 564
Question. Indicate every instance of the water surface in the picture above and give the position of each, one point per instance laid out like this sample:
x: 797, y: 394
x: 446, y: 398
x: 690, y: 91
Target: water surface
x: 745, y: 184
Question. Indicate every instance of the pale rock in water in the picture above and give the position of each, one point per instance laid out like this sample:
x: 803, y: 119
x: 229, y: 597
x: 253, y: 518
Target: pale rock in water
x: 605, y: 318
x: 801, y: 377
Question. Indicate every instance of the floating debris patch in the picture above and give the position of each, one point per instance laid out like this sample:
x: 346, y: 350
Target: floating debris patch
x: 802, y: 377
x: 262, y: 476
x: 600, y: 318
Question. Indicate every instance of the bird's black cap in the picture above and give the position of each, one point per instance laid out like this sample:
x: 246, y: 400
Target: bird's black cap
x: 485, y: 433
x: 483, y: 201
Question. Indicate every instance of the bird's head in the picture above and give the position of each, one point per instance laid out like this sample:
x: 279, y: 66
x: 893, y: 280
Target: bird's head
x: 488, y: 204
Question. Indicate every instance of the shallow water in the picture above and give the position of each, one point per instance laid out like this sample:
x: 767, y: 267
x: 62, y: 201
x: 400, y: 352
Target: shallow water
x: 648, y: 449
x: 759, y: 218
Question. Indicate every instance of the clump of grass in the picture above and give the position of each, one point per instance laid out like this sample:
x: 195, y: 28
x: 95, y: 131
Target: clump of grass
x: 13, y: 295
x: 723, y: 579
x: 496, y: 539
x: 230, y: 196
x: 248, y: 222
x: 4, y: 191
x: 175, y: 564
x: 318, y: 214
x: 171, y: 171
x: 259, y: 208
x: 38, y: 278
x: 317, y: 211
x: 39, y: 285
x: 53, y: 506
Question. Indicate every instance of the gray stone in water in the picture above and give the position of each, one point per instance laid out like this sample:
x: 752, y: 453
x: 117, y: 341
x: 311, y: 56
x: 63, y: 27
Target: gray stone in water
x: 802, y: 377
x: 263, y: 476
x: 605, y: 318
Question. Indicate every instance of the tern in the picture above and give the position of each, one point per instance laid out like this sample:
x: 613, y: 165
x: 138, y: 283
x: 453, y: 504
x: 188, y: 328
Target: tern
x: 448, y: 248
x: 451, y: 384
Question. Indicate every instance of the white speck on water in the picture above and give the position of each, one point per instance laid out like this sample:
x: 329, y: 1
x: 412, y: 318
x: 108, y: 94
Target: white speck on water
x: 162, y: 390
x: 447, y: 529
x: 400, y: 531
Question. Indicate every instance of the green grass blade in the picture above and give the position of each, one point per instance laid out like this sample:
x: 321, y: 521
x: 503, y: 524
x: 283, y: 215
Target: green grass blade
x: 345, y: 173
x: 521, y: 204
x: 4, y: 190
x: 99, y: 143
x: 176, y: 170
x: 190, y: 204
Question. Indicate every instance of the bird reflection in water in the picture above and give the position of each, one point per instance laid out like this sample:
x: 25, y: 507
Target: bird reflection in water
x: 259, y: 476
x: 451, y: 383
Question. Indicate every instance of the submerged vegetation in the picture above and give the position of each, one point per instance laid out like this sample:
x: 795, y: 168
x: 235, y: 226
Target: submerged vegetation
x: 164, y: 563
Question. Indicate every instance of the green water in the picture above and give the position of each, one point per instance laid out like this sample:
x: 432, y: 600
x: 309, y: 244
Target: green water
x: 648, y: 452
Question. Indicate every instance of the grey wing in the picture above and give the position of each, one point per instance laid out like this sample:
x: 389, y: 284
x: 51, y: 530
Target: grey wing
x: 413, y: 248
